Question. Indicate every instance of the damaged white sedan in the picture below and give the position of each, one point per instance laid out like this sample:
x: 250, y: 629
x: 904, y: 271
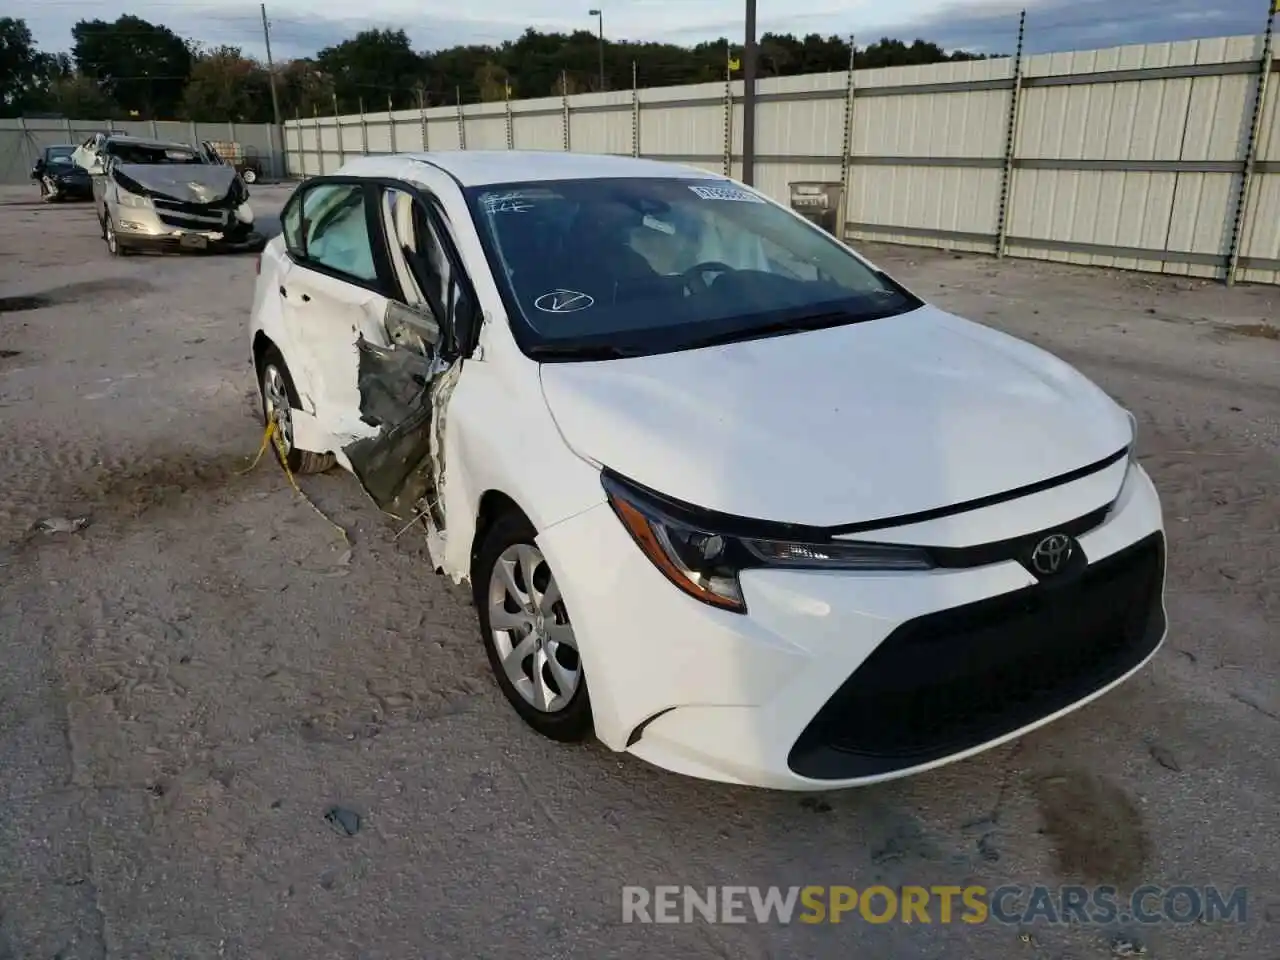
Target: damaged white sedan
x: 726, y: 493
x: 159, y: 195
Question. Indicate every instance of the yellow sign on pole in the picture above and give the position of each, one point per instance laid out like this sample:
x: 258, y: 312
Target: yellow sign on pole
x: 736, y: 64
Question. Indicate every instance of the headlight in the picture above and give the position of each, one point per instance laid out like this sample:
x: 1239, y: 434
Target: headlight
x: 703, y: 558
x: 133, y: 200
x: 1133, y: 437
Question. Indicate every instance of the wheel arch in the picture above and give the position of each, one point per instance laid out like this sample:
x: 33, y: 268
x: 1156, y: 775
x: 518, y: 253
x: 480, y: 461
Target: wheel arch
x: 492, y: 505
x: 262, y: 346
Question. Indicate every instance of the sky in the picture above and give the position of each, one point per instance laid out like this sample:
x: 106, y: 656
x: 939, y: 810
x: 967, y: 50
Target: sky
x: 302, y: 27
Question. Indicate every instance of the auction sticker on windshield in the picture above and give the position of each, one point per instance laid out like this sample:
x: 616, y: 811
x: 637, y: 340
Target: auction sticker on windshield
x: 563, y: 301
x: 726, y: 193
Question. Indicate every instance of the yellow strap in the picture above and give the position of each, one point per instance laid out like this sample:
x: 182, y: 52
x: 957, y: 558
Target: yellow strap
x: 271, y: 436
x: 262, y: 448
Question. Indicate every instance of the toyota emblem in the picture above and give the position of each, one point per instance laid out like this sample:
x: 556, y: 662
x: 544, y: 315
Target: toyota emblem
x: 1051, y: 554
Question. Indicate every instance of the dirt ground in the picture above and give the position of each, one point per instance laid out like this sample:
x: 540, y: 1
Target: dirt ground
x: 189, y: 682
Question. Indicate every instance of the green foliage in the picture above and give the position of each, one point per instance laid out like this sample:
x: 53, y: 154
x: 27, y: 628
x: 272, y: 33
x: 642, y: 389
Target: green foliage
x: 135, y: 68
x: 371, y: 66
x: 143, y: 66
x: 304, y: 90
x: 76, y: 95
x: 226, y: 85
x: 25, y: 72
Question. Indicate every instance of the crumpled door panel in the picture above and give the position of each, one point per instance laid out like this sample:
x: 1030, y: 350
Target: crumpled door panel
x: 404, y: 389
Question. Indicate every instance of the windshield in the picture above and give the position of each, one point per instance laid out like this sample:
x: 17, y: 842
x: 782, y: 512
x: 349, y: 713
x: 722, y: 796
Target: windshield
x: 148, y: 154
x: 636, y: 265
x: 58, y: 154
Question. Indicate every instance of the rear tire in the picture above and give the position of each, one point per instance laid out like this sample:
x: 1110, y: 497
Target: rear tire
x: 279, y: 400
x: 533, y: 652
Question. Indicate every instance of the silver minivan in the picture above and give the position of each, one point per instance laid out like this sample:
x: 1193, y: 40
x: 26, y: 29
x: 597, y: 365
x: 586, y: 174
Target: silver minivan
x: 165, y: 195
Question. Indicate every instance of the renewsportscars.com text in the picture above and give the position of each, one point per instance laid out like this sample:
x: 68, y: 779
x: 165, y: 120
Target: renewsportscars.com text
x: 934, y: 904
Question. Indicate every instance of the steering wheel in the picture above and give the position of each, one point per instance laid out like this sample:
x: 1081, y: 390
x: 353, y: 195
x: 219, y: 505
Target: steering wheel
x: 700, y: 271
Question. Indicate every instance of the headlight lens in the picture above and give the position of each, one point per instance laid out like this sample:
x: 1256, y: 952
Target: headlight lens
x: 705, y: 562
x: 133, y: 200
x: 1133, y: 437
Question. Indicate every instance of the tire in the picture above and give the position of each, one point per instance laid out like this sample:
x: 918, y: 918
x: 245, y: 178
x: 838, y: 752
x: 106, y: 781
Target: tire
x: 250, y: 176
x: 273, y: 381
x: 567, y: 720
x: 114, y: 246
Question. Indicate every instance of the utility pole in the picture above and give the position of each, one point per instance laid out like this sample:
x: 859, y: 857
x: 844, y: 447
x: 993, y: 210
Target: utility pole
x: 599, y: 15
x: 749, y: 96
x: 271, y: 69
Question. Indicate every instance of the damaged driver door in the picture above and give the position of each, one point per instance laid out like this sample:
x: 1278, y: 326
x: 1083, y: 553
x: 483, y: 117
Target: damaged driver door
x: 375, y: 301
x: 405, y: 382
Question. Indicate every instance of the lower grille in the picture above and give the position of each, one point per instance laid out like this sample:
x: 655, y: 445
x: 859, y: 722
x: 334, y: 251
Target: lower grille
x: 191, y: 216
x: 191, y: 221
x: 952, y: 680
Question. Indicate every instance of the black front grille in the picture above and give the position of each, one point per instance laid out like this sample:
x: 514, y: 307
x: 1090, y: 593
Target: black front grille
x: 955, y: 679
x: 191, y: 216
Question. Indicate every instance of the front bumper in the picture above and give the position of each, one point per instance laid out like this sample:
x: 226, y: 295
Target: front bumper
x: 149, y: 229
x: 834, y: 679
x: 177, y: 225
x: 194, y: 242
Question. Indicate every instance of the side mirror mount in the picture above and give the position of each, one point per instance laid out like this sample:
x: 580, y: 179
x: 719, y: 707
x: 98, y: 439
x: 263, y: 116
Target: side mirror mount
x: 411, y: 327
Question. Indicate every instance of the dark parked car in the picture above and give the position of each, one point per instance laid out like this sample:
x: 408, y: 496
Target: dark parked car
x: 60, y: 178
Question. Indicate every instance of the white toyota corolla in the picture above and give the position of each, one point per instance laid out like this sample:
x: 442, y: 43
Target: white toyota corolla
x: 726, y: 493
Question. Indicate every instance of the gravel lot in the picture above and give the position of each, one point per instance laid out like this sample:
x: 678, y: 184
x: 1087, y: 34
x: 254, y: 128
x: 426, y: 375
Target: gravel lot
x: 191, y: 681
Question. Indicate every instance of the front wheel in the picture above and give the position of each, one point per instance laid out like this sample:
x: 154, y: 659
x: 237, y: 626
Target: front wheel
x: 527, y: 632
x: 114, y: 246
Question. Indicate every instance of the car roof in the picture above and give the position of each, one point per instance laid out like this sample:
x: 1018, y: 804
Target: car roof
x: 473, y: 168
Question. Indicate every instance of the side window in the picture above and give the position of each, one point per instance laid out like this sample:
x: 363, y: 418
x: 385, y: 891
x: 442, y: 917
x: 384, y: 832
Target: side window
x: 291, y: 224
x: 335, y: 232
x: 421, y: 258
x: 400, y: 218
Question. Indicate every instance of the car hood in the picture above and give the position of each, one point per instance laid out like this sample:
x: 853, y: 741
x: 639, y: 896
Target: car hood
x: 846, y: 425
x: 187, y: 182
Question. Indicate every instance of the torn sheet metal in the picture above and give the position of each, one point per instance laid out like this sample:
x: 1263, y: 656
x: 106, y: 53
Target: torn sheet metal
x: 395, y: 396
x: 404, y: 391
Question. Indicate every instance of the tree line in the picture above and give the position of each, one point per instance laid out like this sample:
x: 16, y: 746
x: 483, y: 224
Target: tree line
x: 132, y: 68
